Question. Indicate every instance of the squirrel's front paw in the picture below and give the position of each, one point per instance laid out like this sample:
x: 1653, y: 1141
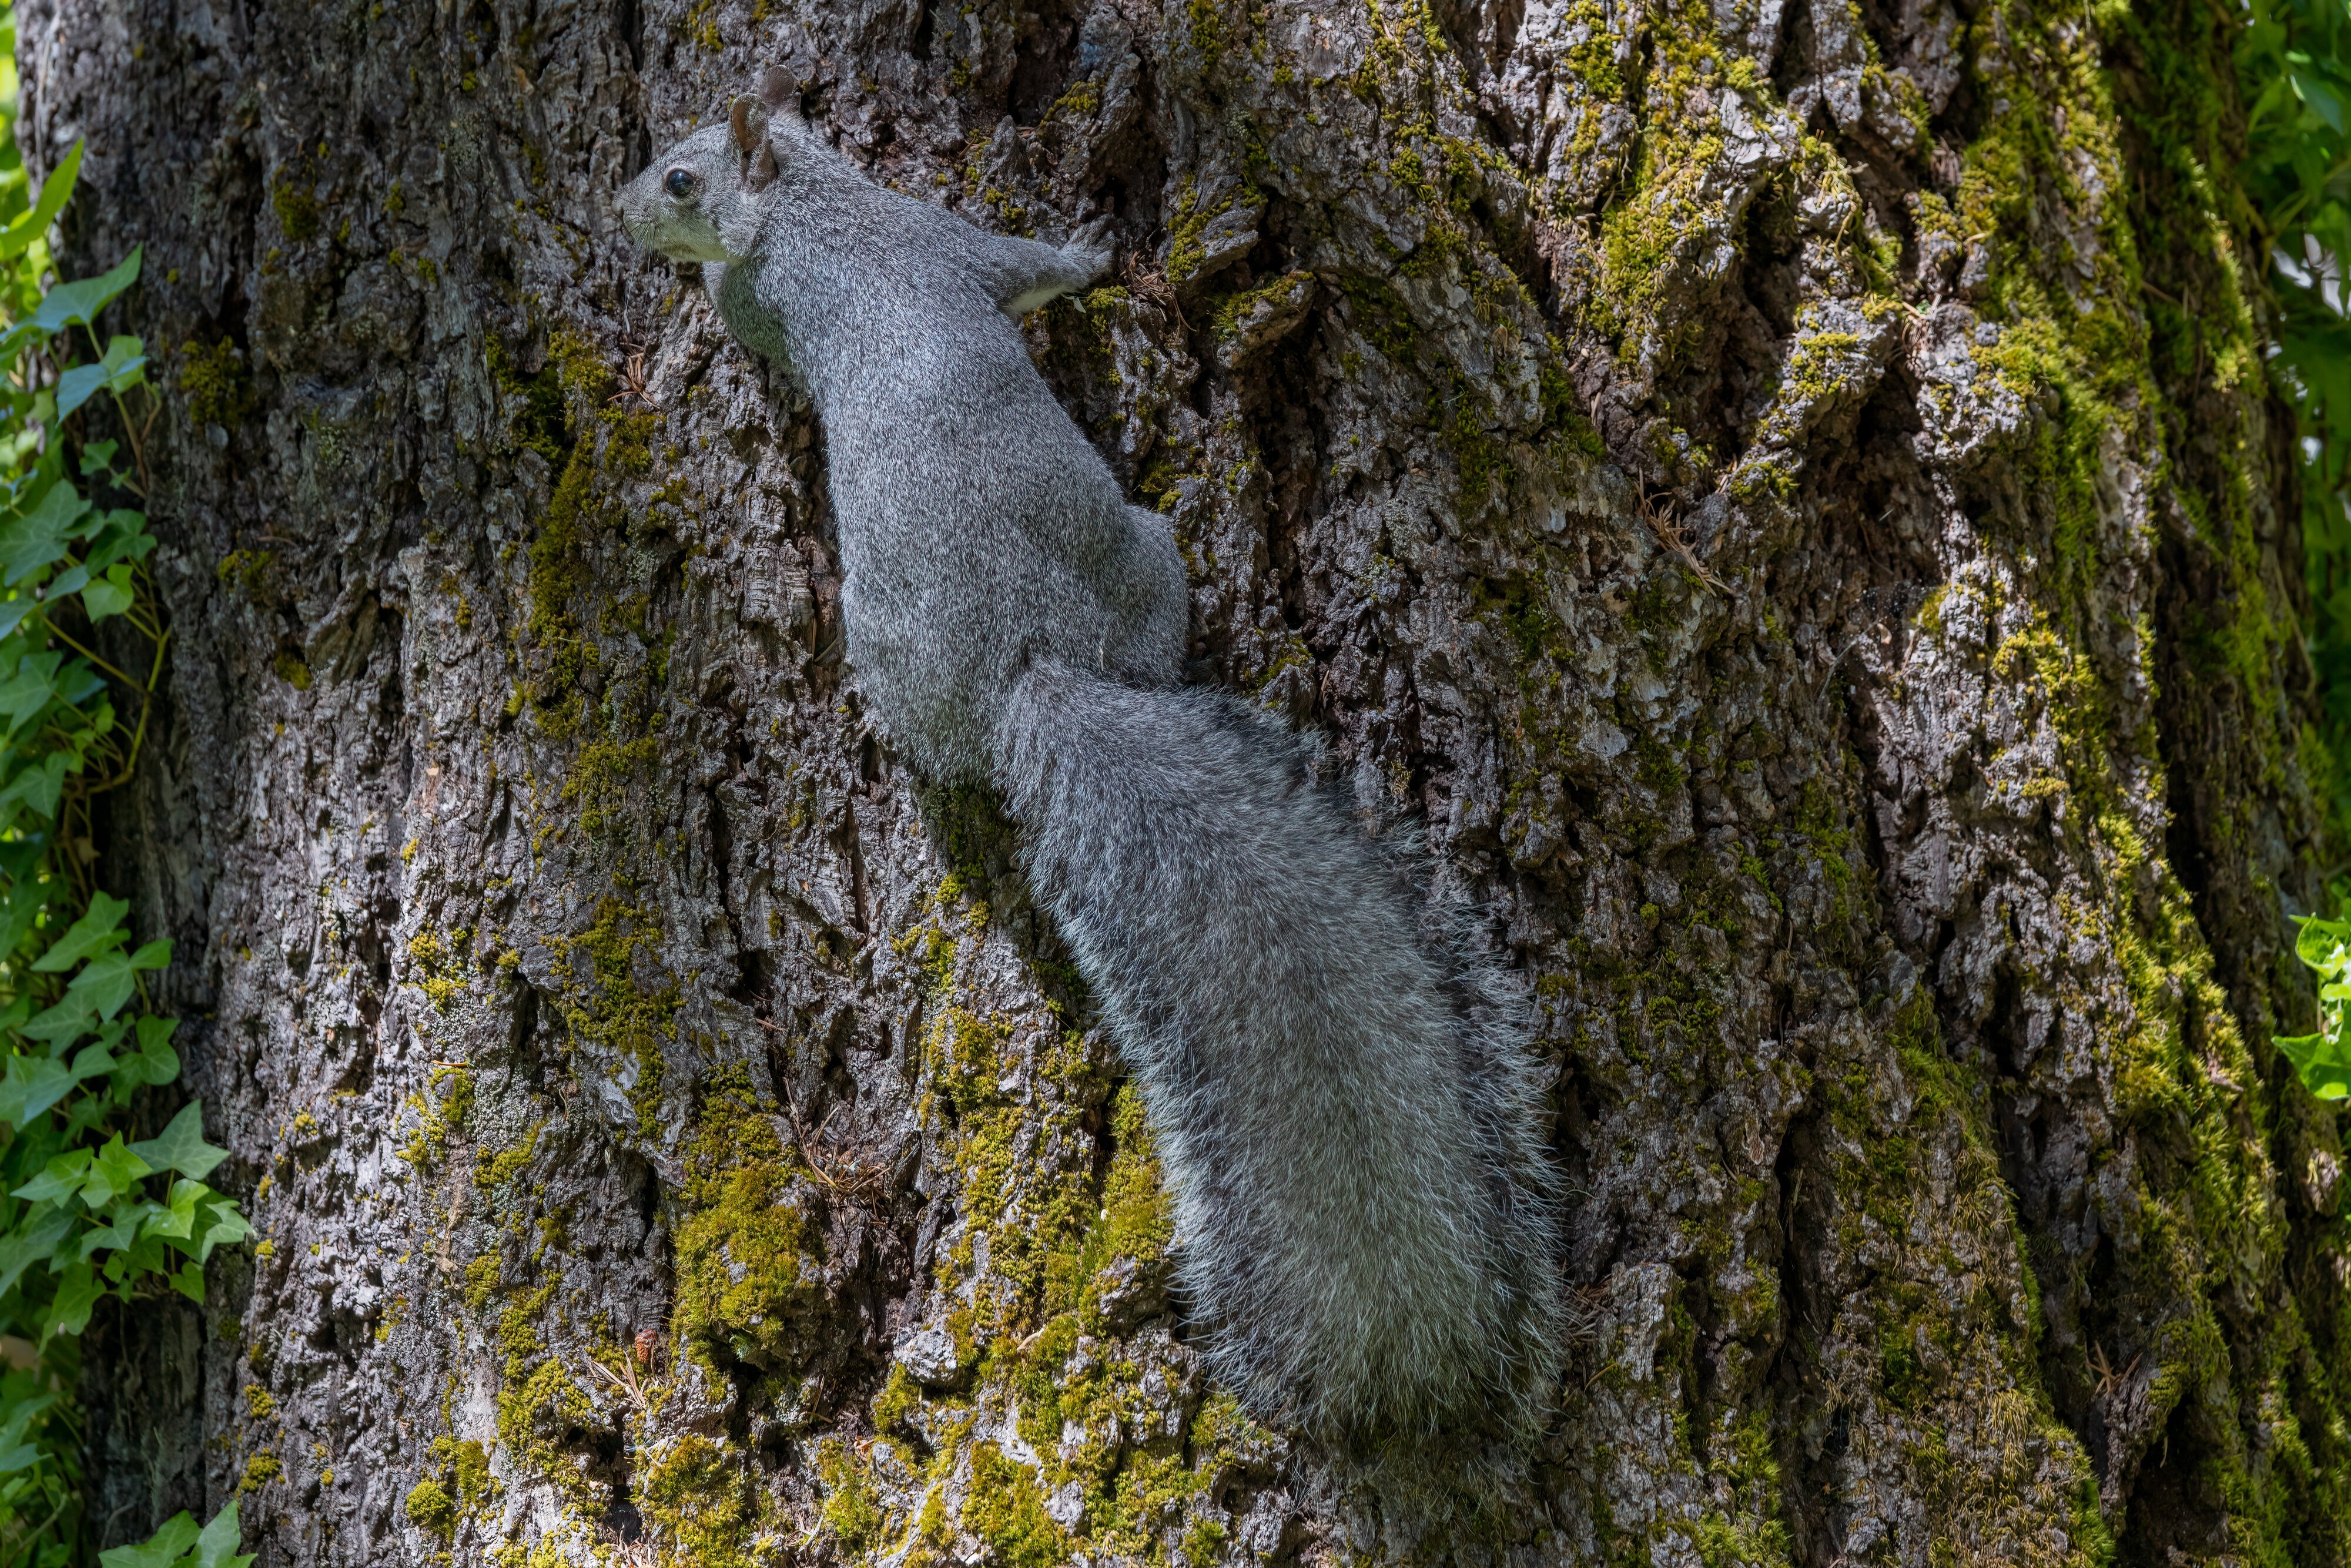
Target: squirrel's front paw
x: 1089, y: 249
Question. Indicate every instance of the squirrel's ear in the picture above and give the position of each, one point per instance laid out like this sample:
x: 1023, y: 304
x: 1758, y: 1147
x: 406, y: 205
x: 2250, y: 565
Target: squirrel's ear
x: 777, y: 88
x: 748, y: 120
x: 763, y: 165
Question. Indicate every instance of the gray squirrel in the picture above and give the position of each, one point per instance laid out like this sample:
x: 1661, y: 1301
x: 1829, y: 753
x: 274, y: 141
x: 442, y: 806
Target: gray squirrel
x: 1349, y: 1124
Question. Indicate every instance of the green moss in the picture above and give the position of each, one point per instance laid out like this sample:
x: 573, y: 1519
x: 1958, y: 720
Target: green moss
x: 1209, y: 37
x: 900, y: 1397
x: 255, y: 571
x: 1380, y: 316
x: 259, y: 1471
x: 1457, y: 414
x: 604, y: 1003
x: 466, y: 1469
x: 852, y: 1513
x: 605, y: 440
x: 559, y: 583
x: 599, y: 777
x: 440, y: 1111
x: 1186, y: 254
x: 536, y: 409
x: 507, y: 1164
x: 481, y: 1280
x: 749, y: 1266
x: 297, y: 209
x: 698, y: 1497
x: 1035, y: 1217
x: 215, y: 383
x: 1005, y: 1509
x: 1941, y: 1323
x: 1138, y: 1218
x: 431, y: 1509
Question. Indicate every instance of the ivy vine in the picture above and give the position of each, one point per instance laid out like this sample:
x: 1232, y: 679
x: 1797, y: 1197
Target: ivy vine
x: 87, y: 1210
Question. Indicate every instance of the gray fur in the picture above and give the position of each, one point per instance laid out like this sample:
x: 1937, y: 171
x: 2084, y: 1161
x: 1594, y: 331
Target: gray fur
x: 1350, y: 1128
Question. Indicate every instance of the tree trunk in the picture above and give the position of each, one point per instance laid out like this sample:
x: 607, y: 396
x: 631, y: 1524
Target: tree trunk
x: 1788, y: 496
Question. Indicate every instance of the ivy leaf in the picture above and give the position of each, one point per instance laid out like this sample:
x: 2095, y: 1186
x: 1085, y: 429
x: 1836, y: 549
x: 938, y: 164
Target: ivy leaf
x: 216, y: 1547
x: 114, y: 1171
x: 228, y: 1227
x: 31, y: 1085
x: 31, y: 226
x: 58, y: 1178
x: 77, y: 1292
x: 95, y: 932
x: 178, y: 1219
x: 161, y: 1550
x: 69, y: 1018
x: 2318, y: 938
x: 28, y: 692
x: 123, y: 1233
x: 181, y: 1146
x: 38, y: 787
x: 37, y: 1244
x: 34, y: 538
x: 111, y: 595
x: 26, y: 898
x: 119, y: 371
x: 71, y: 304
x: 107, y: 981
x: 156, y: 1062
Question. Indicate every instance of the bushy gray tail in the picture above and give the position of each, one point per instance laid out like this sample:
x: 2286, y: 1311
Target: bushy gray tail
x: 1365, y: 1218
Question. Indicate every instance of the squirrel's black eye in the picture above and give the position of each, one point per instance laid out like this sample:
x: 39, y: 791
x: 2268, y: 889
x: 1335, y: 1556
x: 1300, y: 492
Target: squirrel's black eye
x: 680, y: 184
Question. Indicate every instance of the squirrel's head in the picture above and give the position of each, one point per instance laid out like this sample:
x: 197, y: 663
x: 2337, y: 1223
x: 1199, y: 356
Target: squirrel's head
x: 699, y: 200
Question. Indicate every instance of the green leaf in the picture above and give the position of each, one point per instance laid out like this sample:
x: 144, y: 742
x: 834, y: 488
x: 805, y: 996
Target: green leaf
x: 2318, y: 938
x: 216, y: 1547
x: 60, y: 1177
x: 123, y: 1232
x: 26, y: 898
x: 71, y: 304
x: 38, y: 787
x: 31, y: 1085
x: 122, y: 369
x: 69, y: 1017
x: 31, y: 226
x: 161, y: 1550
x: 29, y: 692
x: 2321, y: 1063
x: 181, y: 1146
x: 38, y: 1243
x: 156, y: 1062
x: 107, y: 981
x: 228, y: 1227
x: 96, y: 932
x: 36, y: 538
x: 111, y: 595
x: 114, y: 1171
x: 78, y: 1290
x: 178, y: 1218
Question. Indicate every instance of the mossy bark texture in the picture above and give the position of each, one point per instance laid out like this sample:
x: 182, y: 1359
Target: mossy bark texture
x: 1785, y: 491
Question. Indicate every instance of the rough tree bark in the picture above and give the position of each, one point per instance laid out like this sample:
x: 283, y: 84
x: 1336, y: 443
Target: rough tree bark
x: 1787, y: 493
